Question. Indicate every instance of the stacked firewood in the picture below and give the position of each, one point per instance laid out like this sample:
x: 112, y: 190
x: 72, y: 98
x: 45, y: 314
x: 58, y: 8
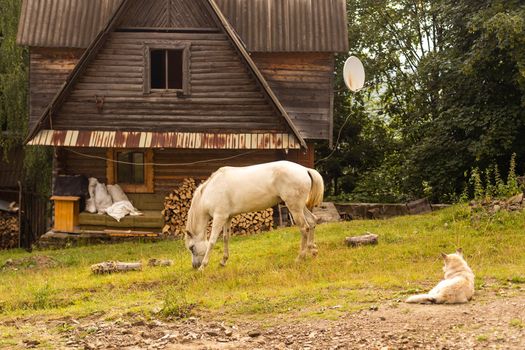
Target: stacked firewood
x: 256, y: 222
x: 178, y: 202
x: 8, y: 230
x: 176, y: 206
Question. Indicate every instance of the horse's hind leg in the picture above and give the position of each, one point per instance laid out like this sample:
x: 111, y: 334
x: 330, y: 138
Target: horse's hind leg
x: 312, y: 222
x: 226, y: 238
x: 300, y: 221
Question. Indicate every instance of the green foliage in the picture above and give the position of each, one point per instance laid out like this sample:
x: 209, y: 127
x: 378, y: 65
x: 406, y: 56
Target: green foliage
x: 13, y: 101
x: 446, y: 90
x: 38, y: 168
x: 492, y: 187
x: 13, y: 78
x: 176, y: 304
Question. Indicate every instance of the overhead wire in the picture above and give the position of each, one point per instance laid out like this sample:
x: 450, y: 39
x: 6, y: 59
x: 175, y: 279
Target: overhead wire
x: 161, y: 164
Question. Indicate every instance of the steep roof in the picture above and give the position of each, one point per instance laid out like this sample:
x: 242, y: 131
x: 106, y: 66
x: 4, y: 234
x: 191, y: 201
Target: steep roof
x: 289, y: 25
x: 262, y: 25
x: 98, y: 42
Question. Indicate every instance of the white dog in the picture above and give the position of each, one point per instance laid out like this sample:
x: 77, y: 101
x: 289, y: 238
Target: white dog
x: 456, y: 288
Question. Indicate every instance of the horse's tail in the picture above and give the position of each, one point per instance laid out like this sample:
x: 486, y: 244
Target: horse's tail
x: 315, y: 197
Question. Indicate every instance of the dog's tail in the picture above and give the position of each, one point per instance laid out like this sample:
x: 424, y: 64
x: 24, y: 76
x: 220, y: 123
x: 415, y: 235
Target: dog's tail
x: 315, y: 197
x: 421, y: 299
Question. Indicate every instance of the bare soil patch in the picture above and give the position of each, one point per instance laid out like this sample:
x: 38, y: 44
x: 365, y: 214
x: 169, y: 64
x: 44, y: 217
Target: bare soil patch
x: 30, y: 262
x: 490, y: 321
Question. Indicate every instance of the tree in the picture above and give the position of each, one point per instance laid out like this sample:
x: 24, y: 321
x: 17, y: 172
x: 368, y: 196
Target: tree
x: 13, y: 78
x: 446, y: 88
x: 13, y: 100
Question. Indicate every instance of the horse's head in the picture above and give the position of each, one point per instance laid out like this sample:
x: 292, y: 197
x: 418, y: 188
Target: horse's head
x: 197, y: 221
x: 197, y: 247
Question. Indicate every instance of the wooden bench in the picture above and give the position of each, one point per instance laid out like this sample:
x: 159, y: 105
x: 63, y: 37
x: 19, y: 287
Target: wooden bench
x: 150, y: 205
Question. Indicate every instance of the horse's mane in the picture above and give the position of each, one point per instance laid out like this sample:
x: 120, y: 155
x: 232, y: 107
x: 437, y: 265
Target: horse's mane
x: 196, y: 202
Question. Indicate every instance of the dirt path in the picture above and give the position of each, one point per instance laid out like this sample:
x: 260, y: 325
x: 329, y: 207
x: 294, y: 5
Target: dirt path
x: 489, y: 322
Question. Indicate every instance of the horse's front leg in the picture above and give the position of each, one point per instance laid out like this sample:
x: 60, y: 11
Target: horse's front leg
x: 226, y: 238
x: 216, y: 227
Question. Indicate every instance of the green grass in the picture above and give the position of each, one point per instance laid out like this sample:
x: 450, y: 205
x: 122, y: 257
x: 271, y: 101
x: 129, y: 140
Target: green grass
x: 262, y: 279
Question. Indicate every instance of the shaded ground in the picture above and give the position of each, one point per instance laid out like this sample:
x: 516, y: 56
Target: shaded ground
x: 492, y: 320
x: 30, y: 262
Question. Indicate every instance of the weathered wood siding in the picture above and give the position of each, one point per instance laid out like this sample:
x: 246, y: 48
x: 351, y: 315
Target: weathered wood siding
x: 303, y: 84
x: 70, y: 163
x: 224, y: 96
x: 167, y: 14
x: 180, y: 164
x: 48, y: 70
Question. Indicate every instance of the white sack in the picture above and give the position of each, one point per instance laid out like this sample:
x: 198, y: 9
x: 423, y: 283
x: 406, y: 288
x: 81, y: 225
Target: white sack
x: 120, y: 209
x: 91, y: 187
x: 117, y: 194
x: 90, y: 205
x: 90, y: 202
x: 102, y: 198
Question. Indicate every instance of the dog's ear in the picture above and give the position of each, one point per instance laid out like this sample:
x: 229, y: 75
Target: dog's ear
x: 459, y: 251
x: 443, y: 255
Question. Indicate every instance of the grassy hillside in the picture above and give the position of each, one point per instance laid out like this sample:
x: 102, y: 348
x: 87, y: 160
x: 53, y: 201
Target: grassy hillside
x: 262, y: 278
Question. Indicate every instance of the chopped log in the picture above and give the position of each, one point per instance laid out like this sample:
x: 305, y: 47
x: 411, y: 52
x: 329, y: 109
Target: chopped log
x: 369, y: 238
x: 108, y: 267
x: 160, y: 262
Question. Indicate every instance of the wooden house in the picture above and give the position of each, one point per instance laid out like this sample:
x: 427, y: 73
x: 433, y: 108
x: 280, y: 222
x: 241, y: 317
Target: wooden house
x: 177, y: 88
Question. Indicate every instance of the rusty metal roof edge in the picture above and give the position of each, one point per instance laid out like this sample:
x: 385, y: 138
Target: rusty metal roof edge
x: 244, y: 53
x: 176, y: 140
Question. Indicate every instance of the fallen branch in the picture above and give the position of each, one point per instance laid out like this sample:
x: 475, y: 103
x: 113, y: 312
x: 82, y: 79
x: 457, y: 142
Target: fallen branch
x: 369, y: 238
x: 108, y: 267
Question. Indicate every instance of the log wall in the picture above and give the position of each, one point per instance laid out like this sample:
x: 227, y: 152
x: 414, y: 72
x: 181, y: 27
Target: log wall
x: 181, y: 163
x: 303, y: 83
x: 48, y: 70
x: 223, y: 97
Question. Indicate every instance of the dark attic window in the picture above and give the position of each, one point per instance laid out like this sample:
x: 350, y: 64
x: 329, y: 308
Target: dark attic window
x: 167, y: 69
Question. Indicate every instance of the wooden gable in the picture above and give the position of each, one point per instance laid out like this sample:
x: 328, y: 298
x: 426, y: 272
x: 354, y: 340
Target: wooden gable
x: 187, y: 14
x: 105, y: 91
x: 223, y: 95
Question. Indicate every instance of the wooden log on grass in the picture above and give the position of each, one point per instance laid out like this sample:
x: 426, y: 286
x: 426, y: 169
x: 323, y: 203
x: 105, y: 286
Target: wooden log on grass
x: 367, y: 239
x: 160, y: 262
x: 108, y: 267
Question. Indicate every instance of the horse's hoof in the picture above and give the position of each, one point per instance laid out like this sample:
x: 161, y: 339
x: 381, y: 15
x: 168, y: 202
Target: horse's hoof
x: 223, y: 263
x: 201, y: 269
x: 300, y: 257
x: 314, y: 252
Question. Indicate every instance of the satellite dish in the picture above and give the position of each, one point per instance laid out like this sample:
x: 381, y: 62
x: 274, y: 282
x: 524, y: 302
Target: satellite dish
x: 354, y: 74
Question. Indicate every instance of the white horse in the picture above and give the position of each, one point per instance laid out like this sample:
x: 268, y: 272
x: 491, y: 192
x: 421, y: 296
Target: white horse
x: 234, y: 190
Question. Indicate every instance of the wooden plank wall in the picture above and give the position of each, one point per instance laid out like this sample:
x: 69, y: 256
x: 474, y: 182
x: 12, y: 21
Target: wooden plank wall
x: 223, y: 96
x: 48, y: 70
x: 71, y: 162
x: 181, y: 163
x: 302, y: 82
